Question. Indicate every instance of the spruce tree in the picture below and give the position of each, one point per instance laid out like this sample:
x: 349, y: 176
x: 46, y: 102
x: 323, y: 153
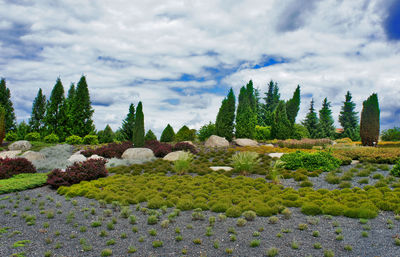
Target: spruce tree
x: 69, y: 108
x: 246, y: 119
x: 281, y: 126
x: 168, y: 134
x: 251, y: 96
x: 311, y: 121
x: 106, y: 135
x: 369, y: 125
x: 82, y: 110
x: 22, y: 130
x: 138, y: 129
x: 226, y: 117
x: 271, y: 102
x: 36, y: 122
x: 293, y: 106
x: 326, y: 127
x: 2, y: 124
x: 185, y: 134
x: 348, y: 119
x: 129, y: 123
x: 5, y: 101
x: 150, y: 136
x: 56, y: 118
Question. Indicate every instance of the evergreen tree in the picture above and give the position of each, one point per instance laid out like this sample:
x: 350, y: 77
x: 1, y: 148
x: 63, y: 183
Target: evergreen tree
x: 5, y: 101
x: 69, y: 108
x: 251, y: 96
x: 150, y: 136
x: 138, y: 129
x: 206, y: 131
x: 348, y: 119
x: 129, y: 123
x: 22, y: 129
x: 2, y: 124
x: 271, y: 102
x: 293, y: 106
x: 326, y: 127
x: 259, y: 108
x: 281, y: 126
x: 246, y: 119
x: 36, y: 122
x: 311, y: 121
x: 56, y: 118
x: 185, y: 134
x: 369, y: 126
x: 106, y: 135
x: 168, y: 134
x: 226, y: 116
x: 82, y: 110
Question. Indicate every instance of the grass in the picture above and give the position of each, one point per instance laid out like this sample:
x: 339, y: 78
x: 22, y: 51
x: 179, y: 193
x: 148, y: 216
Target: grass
x: 22, y: 182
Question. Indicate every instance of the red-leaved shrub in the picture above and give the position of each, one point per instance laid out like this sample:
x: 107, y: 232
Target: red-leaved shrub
x: 77, y: 172
x: 10, y: 167
x: 112, y: 150
x: 159, y: 149
x: 182, y: 146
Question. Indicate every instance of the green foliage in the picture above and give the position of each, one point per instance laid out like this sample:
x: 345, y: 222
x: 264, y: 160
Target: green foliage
x: 244, y: 162
x: 348, y: 119
x: 106, y: 135
x: 11, y: 136
x: 128, y: 124
x: 69, y: 108
x: 138, y: 129
x: 52, y: 138
x: 22, y: 130
x: 5, y: 101
x: 396, y: 169
x: 326, y: 127
x: 226, y: 115
x: 2, y: 124
x: 369, y: 125
x: 33, y: 136
x: 182, y: 164
x: 234, y: 212
x: 311, y: 121
x: 150, y: 136
x: 74, y: 140
x: 281, y: 127
x: 392, y: 134
x: 271, y: 102
x: 90, y: 140
x: 311, y: 209
x: 300, y: 132
x: 263, y: 133
x: 185, y: 134
x: 168, y: 134
x: 293, y: 106
x: 310, y: 161
x: 36, y: 122
x: 246, y: 118
x: 206, y: 131
x: 22, y: 182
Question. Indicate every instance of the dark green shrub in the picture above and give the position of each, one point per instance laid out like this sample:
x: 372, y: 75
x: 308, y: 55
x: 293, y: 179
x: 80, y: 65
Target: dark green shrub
x: 300, y: 132
x: 391, y: 134
x: 52, y: 138
x: 310, y: 161
x: 74, y: 140
x: 396, y: 169
x: 90, y: 140
x: 150, y: 136
x: 263, y: 133
x: 206, y: 131
x: 311, y: 209
x: 106, y: 135
x: 11, y: 136
x: 33, y: 136
x: 185, y: 134
x: 168, y: 134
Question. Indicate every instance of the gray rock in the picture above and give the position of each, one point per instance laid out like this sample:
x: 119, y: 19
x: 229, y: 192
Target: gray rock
x: 354, y: 162
x: 245, y: 142
x: 276, y: 155
x: 9, y: 154
x: 173, y: 156
x: 216, y: 141
x: 226, y: 168
x: 139, y: 154
x: 77, y: 158
x: 95, y: 156
x: 269, y: 145
x: 22, y: 145
x: 33, y: 156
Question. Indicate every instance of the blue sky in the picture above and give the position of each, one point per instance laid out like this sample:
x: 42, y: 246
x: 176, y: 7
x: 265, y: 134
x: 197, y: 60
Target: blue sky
x: 181, y: 57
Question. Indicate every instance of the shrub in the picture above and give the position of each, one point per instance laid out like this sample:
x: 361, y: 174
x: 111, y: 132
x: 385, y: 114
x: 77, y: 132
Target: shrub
x: 52, y: 138
x: 10, y: 167
x: 249, y: 215
x: 33, y: 136
x: 90, y: 140
x: 391, y: 134
x: 241, y: 222
x: 396, y: 169
x: 168, y: 134
x: 245, y: 161
x: 206, y: 131
x: 159, y: 149
x: 77, y: 172
x: 74, y: 140
x: 185, y: 134
x: 263, y: 133
x: 11, y: 136
x: 150, y: 136
x: 310, y: 161
x: 112, y: 150
x: 183, y: 146
x: 22, y: 182
x: 304, y: 143
x: 233, y: 212
x: 311, y: 209
x: 300, y: 132
x: 106, y: 135
x: 182, y: 164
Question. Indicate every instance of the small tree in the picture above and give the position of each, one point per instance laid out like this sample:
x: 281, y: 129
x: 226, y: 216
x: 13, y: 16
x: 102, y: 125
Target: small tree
x: 22, y: 130
x: 226, y: 116
x: 150, y: 136
x: 348, y: 119
x: 82, y: 110
x: 5, y: 101
x: 106, y: 135
x: 271, y: 102
x: 246, y: 118
x: 369, y: 126
x: 326, y: 128
x: 2, y: 124
x: 281, y: 126
x: 206, y: 131
x: 168, y: 134
x: 293, y: 106
x: 311, y: 121
x: 138, y: 129
x: 185, y: 134
x: 129, y: 123
x: 69, y: 109
x: 36, y: 122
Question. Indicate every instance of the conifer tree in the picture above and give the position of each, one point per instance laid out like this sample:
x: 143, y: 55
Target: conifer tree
x: 293, y: 106
x: 311, y: 121
x: 251, y: 96
x: 370, y: 124
x: 348, y: 119
x: 5, y: 101
x: 69, y: 108
x: 150, y: 136
x: 106, y: 135
x: 138, y: 129
x: 185, y: 134
x: 56, y: 118
x: 2, y: 124
x: 82, y: 110
x: 129, y: 123
x: 36, y: 122
x: 168, y: 134
x: 271, y: 102
x: 326, y: 127
x: 226, y: 117
x: 22, y: 129
x: 246, y: 119
x: 281, y: 126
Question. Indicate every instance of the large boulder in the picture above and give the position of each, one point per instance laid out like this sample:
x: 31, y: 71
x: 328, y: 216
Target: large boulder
x: 225, y: 168
x: 139, y: 154
x: 245, y: 142
x: 22, y: 145
x: 276, y: 155
x: 77, y: 158
x: 9, y: 154
x: 216, y: 141
x: 33, y: 156
x: 173, y: 156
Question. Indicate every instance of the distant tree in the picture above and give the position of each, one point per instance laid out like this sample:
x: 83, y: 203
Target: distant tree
x: 168, y: 134
x: 293, y: 106
x: 206, y: 131
x: 82, y: 110
x: 5, y: 101
x: 2, y: 124
x: 56, y: 117
x: 129, y: 123
x: 271, y: 102
x: 246, y: 118
x: 22, y: 129
x: 138, y: 129
x: 281, y: 126
x: 36, y: 122
x: 185, y: 134
x: 300, y: 132
x: 150, y: 136
x: 224, y: 124
x: 326, y: 127
x: 369, y: 126
x: 349, y: 120
x: 311, y: 121
x: 70, y: 108
x: 392, y: 134
x: 259, y: 108
x: 106, y: 135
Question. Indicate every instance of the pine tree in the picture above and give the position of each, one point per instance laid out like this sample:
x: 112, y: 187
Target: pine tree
x: 168, y: 134
x: 82, y: 110
x: 138, y: 129
x: 129, y: 123
x: 5, y: 101
x: 106, y: 135
x: 246, y: 119
x: 56, y: 118
x: 271, y: 102
x: 293, y: 106
x: 311, y: 121
x: 348, y: 119
x: 2, y: 124
x: 69, y: 108
x: 36, y: 122
x: 326, y: 127
x: 226, y: 116
x: 281, y: 126
x: 369, y: 125
x: 150, y: 136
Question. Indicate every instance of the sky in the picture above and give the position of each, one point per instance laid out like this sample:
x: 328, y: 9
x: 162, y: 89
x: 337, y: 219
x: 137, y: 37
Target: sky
x: 181, y: 57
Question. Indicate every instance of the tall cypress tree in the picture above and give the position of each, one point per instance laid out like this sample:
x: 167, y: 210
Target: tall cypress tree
x: 56, y: 118
x: 246, y: 119
x: 82, y: 110
x: 138, y: 131
x: 36, y: 122
x: 311, y: 121
x: 69, y: 107
x: 293, y: 106
x: 348, y: 119
x: 326, y: 127
x: 226, y: 116
x: 5, y: 101
x: 370, y: 124
x: 129, y: 123
x: 281, y: 126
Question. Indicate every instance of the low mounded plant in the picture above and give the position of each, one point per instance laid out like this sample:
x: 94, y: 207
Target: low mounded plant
x: 396, y: 169
x: 111, y: 150
x: 183, y: 163
x: 33, y: 136
x: 10, y: 167
x: 244, y: 162
x: 310, y: 161
x: 52, y: 138
x: 74, y: 140
x: 159, y: 149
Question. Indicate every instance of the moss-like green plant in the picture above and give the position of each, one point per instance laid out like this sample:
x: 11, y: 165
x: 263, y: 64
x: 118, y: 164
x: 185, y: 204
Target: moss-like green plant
x: 255, y: 243
x: 106, y: 252
x: 241, y: 222
x: 317, y: 245
x: 272, y: 252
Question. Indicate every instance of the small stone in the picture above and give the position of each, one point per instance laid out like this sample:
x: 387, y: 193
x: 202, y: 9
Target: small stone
x: 9, y: 154
x: 276, y: 155
x: 77, y: 158
x: 226, y: 168
x: 22, y: 145
x: 95, y: 156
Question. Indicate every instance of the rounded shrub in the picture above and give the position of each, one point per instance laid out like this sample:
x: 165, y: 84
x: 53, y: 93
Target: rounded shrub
x: 90, y: 140
x: 74, y: 140
x: 52, y: 138
x: 219, y: 207
x: 11, y: 136
x: 396, y: 169
x: 265, y: 211
x: 10, y: 167
x: 249, y: 215
x: 233, y: 212
x: 33, y: 136
x: 168, y: 134
x: 184, y: 204
x: 311, y: 209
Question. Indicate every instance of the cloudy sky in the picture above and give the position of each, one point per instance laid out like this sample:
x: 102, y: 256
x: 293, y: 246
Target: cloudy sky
x: 180, y: 57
